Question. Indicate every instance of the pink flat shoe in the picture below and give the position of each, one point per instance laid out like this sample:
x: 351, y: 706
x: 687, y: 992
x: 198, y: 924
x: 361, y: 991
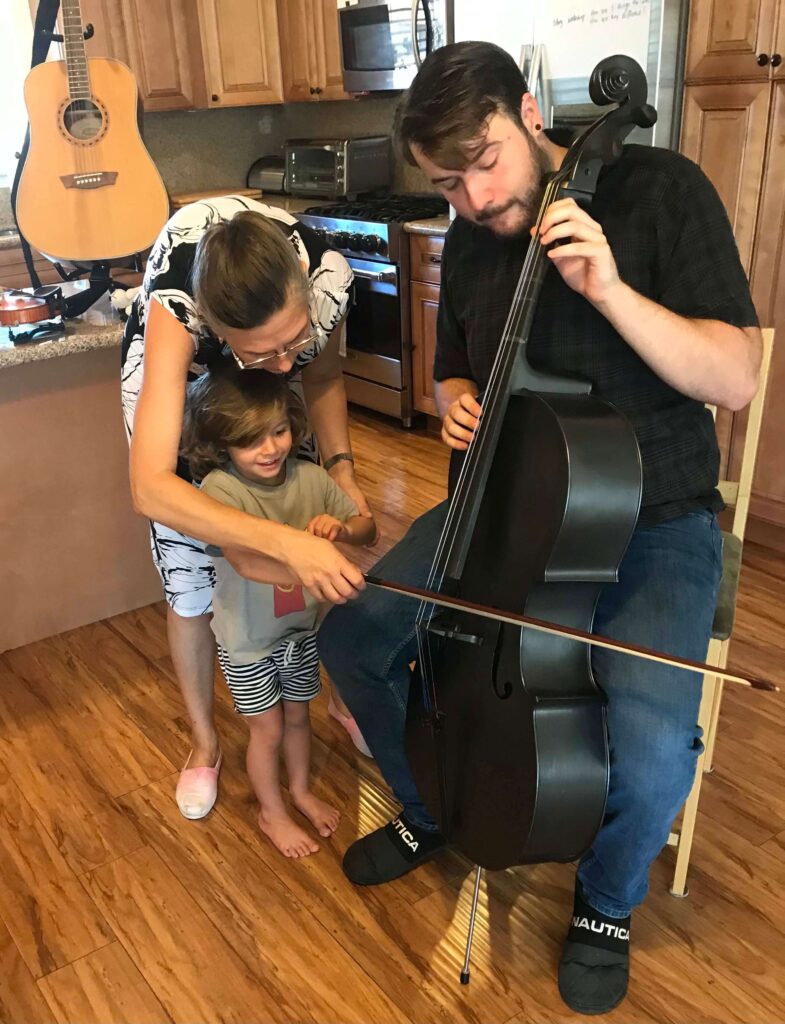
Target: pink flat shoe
x: 197, y: 789
x: 351, y: 727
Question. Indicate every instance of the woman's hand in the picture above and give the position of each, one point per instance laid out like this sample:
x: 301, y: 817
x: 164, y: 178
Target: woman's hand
x: 585, y: 261
x: 322, y: 569
x: 460, y: 421
x: 325, y: 526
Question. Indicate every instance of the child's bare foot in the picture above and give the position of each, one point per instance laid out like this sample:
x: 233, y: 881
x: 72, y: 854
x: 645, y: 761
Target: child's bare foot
x: 322, y: 816
x: 287, y: 836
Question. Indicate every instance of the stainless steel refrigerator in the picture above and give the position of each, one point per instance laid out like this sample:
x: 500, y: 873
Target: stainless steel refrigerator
x: 558, y: 42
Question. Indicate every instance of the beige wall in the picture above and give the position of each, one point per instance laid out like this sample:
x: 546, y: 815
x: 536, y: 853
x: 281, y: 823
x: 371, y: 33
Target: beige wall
x: 201, y: 149
x: 212, y: 148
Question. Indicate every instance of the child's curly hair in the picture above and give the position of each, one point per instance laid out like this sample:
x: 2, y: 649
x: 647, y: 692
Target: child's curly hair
x: 229, y: 407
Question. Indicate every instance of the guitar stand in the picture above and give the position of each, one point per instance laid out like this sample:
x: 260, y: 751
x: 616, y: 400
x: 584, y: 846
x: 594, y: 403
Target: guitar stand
x: 470, y: 936
x: 100, y: 281
x: 54, y: 37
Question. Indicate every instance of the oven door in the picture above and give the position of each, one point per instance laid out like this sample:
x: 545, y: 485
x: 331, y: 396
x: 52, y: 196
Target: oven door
x: 383, y: 42
x: 374, y: 344
x: 313, y: 171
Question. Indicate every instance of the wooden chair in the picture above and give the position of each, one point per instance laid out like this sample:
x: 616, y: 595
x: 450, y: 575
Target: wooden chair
x: 736, y: 495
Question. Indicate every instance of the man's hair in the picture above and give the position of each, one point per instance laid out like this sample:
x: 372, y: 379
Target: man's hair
x: 229, y: 407
x: 245, y: 270
x: 457, y: 89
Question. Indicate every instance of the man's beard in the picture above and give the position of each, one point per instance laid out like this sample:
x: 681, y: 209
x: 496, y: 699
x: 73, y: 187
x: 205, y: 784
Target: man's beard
x: 529, y: 203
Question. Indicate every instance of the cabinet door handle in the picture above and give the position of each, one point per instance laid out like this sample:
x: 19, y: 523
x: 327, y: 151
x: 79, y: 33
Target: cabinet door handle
x: 763, y: 59
x: 215, y: 97
x: 776, y: 60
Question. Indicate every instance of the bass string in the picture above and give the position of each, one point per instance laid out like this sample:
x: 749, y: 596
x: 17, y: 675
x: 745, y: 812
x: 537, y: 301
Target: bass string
x: 478, y: 444
x: 508, y: 350
x: 495, y: 394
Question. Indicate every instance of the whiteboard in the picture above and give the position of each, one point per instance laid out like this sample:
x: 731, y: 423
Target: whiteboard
x: 578, y: 33
x: 497, y: 21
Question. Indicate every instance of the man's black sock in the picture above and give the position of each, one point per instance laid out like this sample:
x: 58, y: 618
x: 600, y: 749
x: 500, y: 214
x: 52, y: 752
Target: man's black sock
x: 390, y: 852
x: 595, y: 963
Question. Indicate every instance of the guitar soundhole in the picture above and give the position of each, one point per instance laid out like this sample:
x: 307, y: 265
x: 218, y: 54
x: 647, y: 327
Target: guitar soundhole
x: 83, y: 120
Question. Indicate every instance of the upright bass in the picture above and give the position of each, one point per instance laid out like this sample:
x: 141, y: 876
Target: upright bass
x: 506, y: 728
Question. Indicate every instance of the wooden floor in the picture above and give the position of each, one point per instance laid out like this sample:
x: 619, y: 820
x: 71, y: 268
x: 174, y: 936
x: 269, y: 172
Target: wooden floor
x: 115, y: 908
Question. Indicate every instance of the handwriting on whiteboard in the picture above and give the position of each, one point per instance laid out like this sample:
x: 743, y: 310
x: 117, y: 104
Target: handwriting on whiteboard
x: 579, y: 33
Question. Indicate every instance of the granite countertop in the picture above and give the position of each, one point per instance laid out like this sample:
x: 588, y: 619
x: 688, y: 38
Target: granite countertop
x: 99, y: 327
x: 429, y: 226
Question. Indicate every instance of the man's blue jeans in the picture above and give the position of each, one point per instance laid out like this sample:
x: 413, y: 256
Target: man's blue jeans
x: 665, y: 600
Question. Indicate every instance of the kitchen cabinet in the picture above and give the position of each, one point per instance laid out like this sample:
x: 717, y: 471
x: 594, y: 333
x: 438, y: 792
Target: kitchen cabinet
x: 425, y: 271
x: 724, y: 131
x: 735, y: 130
x: 424, y: 306
x: 212, y: 53
x: 13, y: 270
x: 241, y: 52
x: 74, y: 551
x: 159, y: 40
x: 310, y: 50
x: 734, y: 39
x: 768, y: 292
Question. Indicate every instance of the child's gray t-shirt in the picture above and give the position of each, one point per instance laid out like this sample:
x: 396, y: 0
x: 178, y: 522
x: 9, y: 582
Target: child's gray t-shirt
x: 251, y: 619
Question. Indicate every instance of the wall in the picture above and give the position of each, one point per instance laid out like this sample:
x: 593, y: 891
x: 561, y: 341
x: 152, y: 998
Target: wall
x: 201, y: 149
x: 212, y: 148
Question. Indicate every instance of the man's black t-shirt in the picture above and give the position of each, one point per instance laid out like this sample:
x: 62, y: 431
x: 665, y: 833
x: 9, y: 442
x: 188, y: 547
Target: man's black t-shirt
x: 672, y: 242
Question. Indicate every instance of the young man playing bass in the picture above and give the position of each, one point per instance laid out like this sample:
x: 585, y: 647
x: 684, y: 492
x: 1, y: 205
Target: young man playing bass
x: 649, y: 302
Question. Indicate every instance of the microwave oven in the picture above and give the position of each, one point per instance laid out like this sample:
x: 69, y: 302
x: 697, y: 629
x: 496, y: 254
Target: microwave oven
x: 383, y: 42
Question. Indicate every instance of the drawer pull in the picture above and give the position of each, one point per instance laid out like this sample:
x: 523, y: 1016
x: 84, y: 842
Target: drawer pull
x: 434, y: 257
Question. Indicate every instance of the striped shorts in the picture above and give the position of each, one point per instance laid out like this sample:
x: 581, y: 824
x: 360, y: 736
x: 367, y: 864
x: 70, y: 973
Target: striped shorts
x: 291, y: 672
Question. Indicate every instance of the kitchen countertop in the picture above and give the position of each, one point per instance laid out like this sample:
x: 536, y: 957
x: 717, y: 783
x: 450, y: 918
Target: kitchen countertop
x: 430, y: 226
x: 99, y: 327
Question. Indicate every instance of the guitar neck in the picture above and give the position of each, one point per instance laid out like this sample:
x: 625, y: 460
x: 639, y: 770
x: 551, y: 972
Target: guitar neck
x: 75, y: 56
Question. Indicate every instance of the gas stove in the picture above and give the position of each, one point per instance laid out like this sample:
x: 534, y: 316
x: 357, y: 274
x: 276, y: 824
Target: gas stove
x: 369, y: 232
x: 372, y: 227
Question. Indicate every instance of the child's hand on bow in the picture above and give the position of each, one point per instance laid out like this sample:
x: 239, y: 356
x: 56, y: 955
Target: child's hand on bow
x: 326, y: 526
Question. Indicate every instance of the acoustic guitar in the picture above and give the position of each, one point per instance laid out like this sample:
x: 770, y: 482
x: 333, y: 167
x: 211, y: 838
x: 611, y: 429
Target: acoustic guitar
x: 89, y: 190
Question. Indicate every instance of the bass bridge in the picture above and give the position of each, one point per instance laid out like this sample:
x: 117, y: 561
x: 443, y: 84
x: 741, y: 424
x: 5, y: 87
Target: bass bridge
x: 449, y: 631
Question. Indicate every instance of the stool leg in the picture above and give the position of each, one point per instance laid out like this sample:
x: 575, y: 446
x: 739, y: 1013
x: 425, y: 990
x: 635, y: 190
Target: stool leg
x: 684, y: 848
x: 470, y: 936
x: 718, y: 655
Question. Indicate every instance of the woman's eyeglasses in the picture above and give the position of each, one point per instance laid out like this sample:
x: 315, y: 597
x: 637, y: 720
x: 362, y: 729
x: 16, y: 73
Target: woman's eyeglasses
x: 281, y: 353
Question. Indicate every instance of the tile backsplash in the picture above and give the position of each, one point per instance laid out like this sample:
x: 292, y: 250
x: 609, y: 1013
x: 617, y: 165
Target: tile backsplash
x: 201, y: 149
x: 208, y: 148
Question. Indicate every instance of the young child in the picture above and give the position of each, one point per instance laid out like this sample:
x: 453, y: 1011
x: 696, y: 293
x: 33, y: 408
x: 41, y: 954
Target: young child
x: 240, y: 430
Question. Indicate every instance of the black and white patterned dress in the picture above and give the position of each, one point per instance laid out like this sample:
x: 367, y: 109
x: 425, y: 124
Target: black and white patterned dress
x: 186, y: 571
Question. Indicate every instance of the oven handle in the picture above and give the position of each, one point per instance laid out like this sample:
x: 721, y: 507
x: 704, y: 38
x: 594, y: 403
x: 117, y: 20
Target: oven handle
x: 389, y: 276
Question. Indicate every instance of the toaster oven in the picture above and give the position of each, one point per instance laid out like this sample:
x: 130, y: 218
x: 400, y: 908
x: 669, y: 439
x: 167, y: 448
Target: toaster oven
x: 333, y: 168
